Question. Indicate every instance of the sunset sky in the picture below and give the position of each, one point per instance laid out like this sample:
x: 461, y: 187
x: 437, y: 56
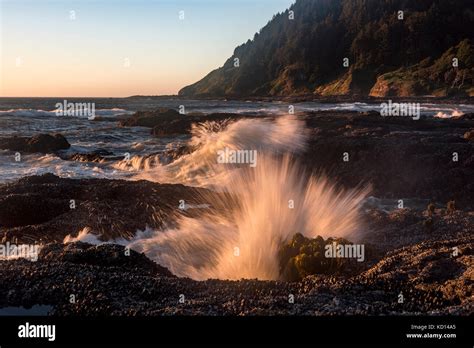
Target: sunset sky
x: 120, y: 48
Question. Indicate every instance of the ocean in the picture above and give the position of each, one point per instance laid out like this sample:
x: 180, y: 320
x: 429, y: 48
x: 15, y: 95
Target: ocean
x: 29, y: 116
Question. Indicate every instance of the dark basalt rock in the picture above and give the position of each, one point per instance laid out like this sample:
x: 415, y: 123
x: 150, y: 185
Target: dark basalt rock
x: 172, y: 128
x: 468, y: 116
x: 98, y: 156
x: 106, y: 282
x: 104, y: 255
x: 39, y: 207
x: 168, y: 122
x: 149, y: 118
x: 399, y: 157
x: 42, y: 143
x: 183, y: 125
x: 25, y: 209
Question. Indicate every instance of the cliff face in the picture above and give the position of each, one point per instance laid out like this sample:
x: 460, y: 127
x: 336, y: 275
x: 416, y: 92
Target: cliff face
x: 388, y: 52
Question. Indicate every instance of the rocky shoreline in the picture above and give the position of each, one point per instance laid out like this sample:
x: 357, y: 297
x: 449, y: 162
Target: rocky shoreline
x: 425, y: 256
x: 106, y: 282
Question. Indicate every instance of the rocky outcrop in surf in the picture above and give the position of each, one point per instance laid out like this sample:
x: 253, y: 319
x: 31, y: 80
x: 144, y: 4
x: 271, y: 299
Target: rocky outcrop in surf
x: 41, y: 143
x: 168, y: 122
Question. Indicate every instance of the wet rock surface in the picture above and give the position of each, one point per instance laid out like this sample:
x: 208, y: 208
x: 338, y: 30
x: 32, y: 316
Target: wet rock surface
x: 41, y: 143
x: 97, y: 156
x: 426, y: 276
x: 399, y: 157
x: 48, y: 208
x: 168, y: 122
x: 150, y: 118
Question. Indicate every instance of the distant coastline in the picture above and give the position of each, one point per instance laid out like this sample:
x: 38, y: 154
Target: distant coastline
x: 317, y: 98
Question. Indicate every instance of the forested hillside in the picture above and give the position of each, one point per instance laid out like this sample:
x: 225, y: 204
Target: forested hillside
x: 302, y: 50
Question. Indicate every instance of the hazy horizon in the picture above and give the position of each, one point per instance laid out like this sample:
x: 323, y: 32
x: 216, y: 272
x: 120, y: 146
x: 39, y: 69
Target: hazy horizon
x: 120, y: 49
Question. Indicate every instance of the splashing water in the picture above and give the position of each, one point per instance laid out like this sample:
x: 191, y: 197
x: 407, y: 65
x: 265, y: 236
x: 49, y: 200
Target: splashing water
x: 200, y: 168
x: 245, y: 244
x: 454, y: 113
x: 262, y: 207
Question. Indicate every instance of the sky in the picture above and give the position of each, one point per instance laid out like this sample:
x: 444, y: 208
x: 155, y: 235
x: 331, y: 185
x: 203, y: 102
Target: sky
x: 118, y: 48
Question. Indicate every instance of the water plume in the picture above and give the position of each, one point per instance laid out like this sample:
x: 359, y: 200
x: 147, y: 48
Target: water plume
x: 261, y: 207
x: 267, y: 205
